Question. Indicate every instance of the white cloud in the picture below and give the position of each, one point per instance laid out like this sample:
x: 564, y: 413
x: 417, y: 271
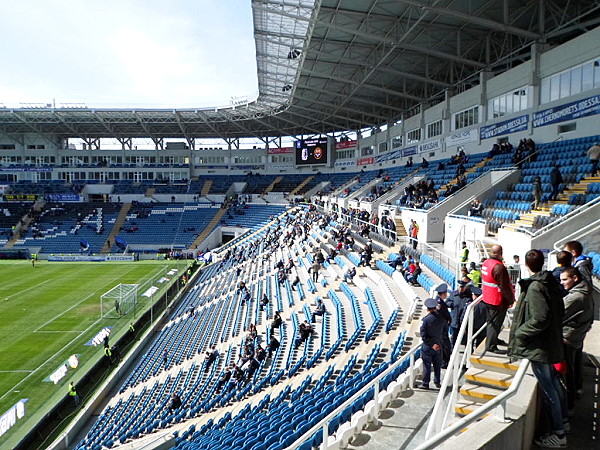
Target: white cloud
x: 127, y: 52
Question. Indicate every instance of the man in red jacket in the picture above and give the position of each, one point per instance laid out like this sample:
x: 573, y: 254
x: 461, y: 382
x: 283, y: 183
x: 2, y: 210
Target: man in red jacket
x: 498, y: 296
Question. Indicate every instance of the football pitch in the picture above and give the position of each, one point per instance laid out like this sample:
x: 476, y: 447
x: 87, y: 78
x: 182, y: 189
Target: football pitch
x: 48, y: 313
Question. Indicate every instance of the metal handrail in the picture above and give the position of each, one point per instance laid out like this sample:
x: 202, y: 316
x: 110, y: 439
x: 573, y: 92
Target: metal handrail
x: 498, y: 402
x: 378, y: 228
x: 459, y: 192
x: 454, y: 367
x: 436, y: 432
x: 575, y: 212
x: 581, y: 232
x: 324, y: 423
x: 448, y: 261
x: 471, y: 218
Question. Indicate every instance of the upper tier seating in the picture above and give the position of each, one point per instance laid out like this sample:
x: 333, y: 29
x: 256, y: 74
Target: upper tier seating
x: 166, y: 223
x: 67, y: 227
x: 571, y: 158
x: 251, y: 216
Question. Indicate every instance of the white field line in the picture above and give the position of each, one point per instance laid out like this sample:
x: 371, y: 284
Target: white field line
x: 53, y: 356
x: 63, y: 331
x: 50, y: 358
x: 16, y: 371
x: 38, y: 329
x: 65, y: 311
x: 27, y: 289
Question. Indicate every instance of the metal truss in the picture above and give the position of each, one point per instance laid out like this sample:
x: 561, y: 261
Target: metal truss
x: 334, y: 65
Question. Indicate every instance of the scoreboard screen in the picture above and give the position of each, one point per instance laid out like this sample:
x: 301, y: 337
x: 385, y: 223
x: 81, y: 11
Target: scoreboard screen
x: 311, y: 151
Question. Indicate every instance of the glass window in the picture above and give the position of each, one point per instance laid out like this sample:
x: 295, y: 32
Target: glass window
x: 525, y: 98
x: 502, y: 108
x: 554, y: 88
x: 576, y: 80
x: 434, y: 129
x: 565, y: 84
x: 413, y: 136
x: 573, y: 81
x: 496, y: 107
x: 587, y: 77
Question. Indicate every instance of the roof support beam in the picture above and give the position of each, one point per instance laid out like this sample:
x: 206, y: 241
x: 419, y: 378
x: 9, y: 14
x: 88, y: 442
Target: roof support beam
x: 151, y: 135
x: 190, y: 141
x: 357, y: 63
x: 106, y: 125
x: 313, y: 118
x: 341, y: 95
x: 365, y: 101
x: 486, y: 23
x: 365, y: 85
x: 413, y: 48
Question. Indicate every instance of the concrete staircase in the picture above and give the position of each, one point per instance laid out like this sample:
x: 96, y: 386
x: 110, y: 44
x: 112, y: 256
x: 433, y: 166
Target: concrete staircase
x: 482, y: 163
x: 270, y: 187
x: 25, y: 222
x: 301, y: 185
x: 527, y: 220
x: 206, y: 188
x: 400, y: 230
x: 150, y: 192
x: 117, y: 226
x: 489, y: 376
x: 208, y: 229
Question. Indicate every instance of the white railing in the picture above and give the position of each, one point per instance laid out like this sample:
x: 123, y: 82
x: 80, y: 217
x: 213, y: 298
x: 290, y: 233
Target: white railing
x: 498, y: 402
x: 581, y: 210
x: 460, y: 192
x: 324, y: 423
x: 377, y: 229
x: 558, y: 245
x: 436, y: 428
x: 448, y: 262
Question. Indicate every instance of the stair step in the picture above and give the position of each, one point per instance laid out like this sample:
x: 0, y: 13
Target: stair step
x: 497, y: 363
x: 488, y: 378
x: 464, y: 407
x: 475, y: 392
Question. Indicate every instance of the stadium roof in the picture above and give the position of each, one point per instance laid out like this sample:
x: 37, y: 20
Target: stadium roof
x: 336, y: 65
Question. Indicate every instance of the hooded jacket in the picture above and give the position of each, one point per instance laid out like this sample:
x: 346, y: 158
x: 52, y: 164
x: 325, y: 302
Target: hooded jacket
x: 536, y: 332
x: 579, y: 314
x: 585, y: 267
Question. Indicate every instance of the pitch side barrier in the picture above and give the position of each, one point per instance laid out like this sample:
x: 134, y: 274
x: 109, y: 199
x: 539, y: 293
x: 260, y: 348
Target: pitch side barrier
x: 93, y: 258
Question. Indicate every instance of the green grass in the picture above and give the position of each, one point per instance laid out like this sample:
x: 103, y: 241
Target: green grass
x: 48, y: 313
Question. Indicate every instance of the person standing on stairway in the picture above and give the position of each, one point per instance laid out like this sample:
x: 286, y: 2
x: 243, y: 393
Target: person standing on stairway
x: 432, y: 329
x: 594, y: 155
x: 443, y: 310
x: 555, y: 180
x: 536, y: 334
x: 537, y: 192
x: 498, y: 296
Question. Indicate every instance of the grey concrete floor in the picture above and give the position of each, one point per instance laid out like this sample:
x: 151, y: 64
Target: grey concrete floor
x: 401, y: 425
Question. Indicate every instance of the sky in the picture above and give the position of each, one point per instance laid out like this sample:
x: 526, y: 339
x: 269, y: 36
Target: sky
x: 127, y: 53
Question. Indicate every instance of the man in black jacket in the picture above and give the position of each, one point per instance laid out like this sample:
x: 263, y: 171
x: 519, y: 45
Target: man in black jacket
x: 555, y: 180
x: 432, y: 329
x: 536, y: 334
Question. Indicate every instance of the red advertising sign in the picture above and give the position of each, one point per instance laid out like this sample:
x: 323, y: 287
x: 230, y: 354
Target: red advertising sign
x: 365, y: 161
x: 280, y: 150
x: 346, y: 144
